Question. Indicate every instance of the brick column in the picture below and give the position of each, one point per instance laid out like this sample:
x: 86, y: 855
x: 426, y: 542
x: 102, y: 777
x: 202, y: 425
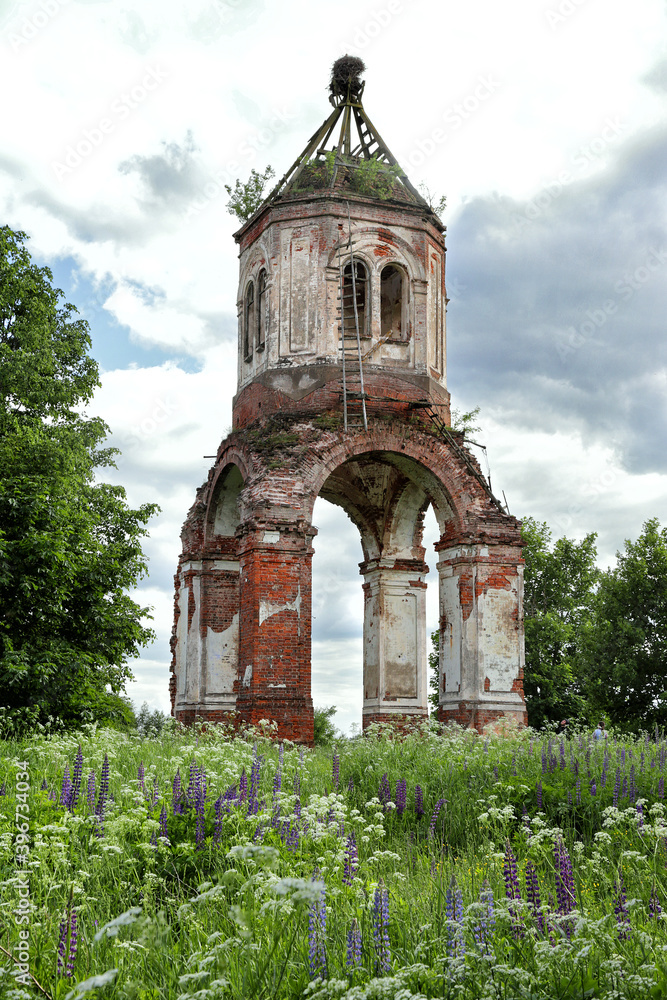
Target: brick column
x: 481, y: 633
x: 395, y: 681
x: 274, y: 628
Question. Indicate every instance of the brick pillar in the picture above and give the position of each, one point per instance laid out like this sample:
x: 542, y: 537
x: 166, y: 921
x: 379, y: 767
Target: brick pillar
x: 481, y: 633
x: 395, y: 678
x: 274, y: 628
x: 187, y: 647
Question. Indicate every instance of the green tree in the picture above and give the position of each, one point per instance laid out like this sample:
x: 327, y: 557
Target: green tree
x: 434, y: 674
x: 559, y: 586
x: 69, y: 546
x: 625, y: 644
x: 245, y: 199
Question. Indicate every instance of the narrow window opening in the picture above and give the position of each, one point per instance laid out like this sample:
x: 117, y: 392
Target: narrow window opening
x: 391, y: 303
x: 349, y: 290
x: 261, y: 311
x: 248, y: 320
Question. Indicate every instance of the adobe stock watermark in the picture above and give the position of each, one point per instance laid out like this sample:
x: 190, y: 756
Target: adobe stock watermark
x: 25, y: 31
x: 453, y: 118
x: 152, y: 421
x: 380, y: 18
x: 245, y: 155
x: 21, y: 954
x: 566, y: 8
x: 584, y: 157
x: 120, y: 110
x: 631, y: 282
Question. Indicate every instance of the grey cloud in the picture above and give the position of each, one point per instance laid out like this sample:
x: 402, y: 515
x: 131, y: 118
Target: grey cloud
x: 169, y: 179
x: 656, y: 78
x: 559, y: 315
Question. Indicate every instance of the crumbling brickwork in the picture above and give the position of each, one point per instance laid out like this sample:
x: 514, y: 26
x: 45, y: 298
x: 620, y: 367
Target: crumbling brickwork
x: 350, y: 404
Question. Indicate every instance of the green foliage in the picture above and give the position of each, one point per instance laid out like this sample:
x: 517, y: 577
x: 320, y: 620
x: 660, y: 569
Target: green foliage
x: 150, y: 723
x: 625, y: 641
x: 323, y: 728
x: 69, y: 547
x: 559, y: 584
x: 466, y: 422
x: 434, y: 675
x: 224, y: 905
x: 246, y: 198
x: 437, y: 205
x: 371, y: 177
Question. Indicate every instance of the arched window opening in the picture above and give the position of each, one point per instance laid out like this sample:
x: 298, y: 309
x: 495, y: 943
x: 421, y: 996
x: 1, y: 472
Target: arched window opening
x: 261, y: 311
x: 354, y: 289
x: 392, y: 322
x: 248, y: 320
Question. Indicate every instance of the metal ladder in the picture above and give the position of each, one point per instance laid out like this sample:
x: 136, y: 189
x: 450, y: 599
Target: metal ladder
x: 354, y: 394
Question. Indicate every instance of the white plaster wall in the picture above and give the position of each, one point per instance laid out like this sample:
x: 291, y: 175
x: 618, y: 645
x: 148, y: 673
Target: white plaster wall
x: 451, y: 634
x: 222, y: 653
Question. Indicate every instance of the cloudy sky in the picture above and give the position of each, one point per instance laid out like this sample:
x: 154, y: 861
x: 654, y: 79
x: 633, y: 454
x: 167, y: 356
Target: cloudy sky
x: 542, y: 121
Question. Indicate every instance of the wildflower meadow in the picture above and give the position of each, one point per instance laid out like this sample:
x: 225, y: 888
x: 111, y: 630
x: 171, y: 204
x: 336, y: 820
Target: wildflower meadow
x: 438, y: 863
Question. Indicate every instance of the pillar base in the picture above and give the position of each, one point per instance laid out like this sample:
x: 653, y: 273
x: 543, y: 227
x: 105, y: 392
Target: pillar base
x: 478, y: 714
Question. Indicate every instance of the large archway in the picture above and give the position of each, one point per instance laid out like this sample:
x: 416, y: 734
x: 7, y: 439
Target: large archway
x: 245, y: 598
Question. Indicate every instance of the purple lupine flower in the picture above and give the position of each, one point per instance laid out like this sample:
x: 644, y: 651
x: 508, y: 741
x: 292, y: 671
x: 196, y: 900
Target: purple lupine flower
x: 419, y: 801
x: 90, y: 791
x: 384, y: 791
x: 351, y: 860
x: 353, y: 946
x: 259, y: 833
x: 277, y: 782
x: 350, y: 786
x: 538, y: 794
x: 193, y: 782
x: 603, y: 777
x: 512, y: 888
x: 381, y: 928
x: 564, y: 880
x: 163, y: 824
x: 633, y: 786
x: 43, y: 787
x: 200, y: 806
x: 297, y: 784
x: 335, y: 768
x: 281, y: 755
x: 177, y: 794
x: 141, y: 774
x: 454, y: 912
x: 654, y: 907
x: 217, y: 827
x: 569, y: 797
x: 533, y: 895
x: 53, y: 795
x: 621, y: 909
x: 65, y: 788
x: 617, y: 787
x: 438, y: 806
x: 293, y: 838
x: 642, y: 759
x: 243, y: 787
x: 545, y: 763
x: 640, y: 816
x: 317, y: 930
x: 577, y: 789
x: 67, y: 945
x: 401, y: 796
x: 76, y: 779
x: 297, y: 807
x: 495, y: 774
x: 485, y: 929
x: 594, y: 789
x: 562, y: 754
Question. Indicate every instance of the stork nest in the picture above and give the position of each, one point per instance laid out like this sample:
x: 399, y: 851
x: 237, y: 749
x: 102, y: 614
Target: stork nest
x: 346, y: 72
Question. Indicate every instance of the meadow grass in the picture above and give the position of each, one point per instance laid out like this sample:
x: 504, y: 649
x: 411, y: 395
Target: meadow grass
x: 434, y: 864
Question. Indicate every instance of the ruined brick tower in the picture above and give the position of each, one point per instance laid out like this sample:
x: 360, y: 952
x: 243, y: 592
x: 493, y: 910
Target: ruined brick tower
x: 342, y: 394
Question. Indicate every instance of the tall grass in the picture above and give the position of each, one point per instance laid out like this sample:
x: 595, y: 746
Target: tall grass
x: 438, y: 864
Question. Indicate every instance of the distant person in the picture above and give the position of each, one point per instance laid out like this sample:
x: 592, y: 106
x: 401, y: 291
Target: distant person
x: 562, y: 727
x: 599, y: 733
